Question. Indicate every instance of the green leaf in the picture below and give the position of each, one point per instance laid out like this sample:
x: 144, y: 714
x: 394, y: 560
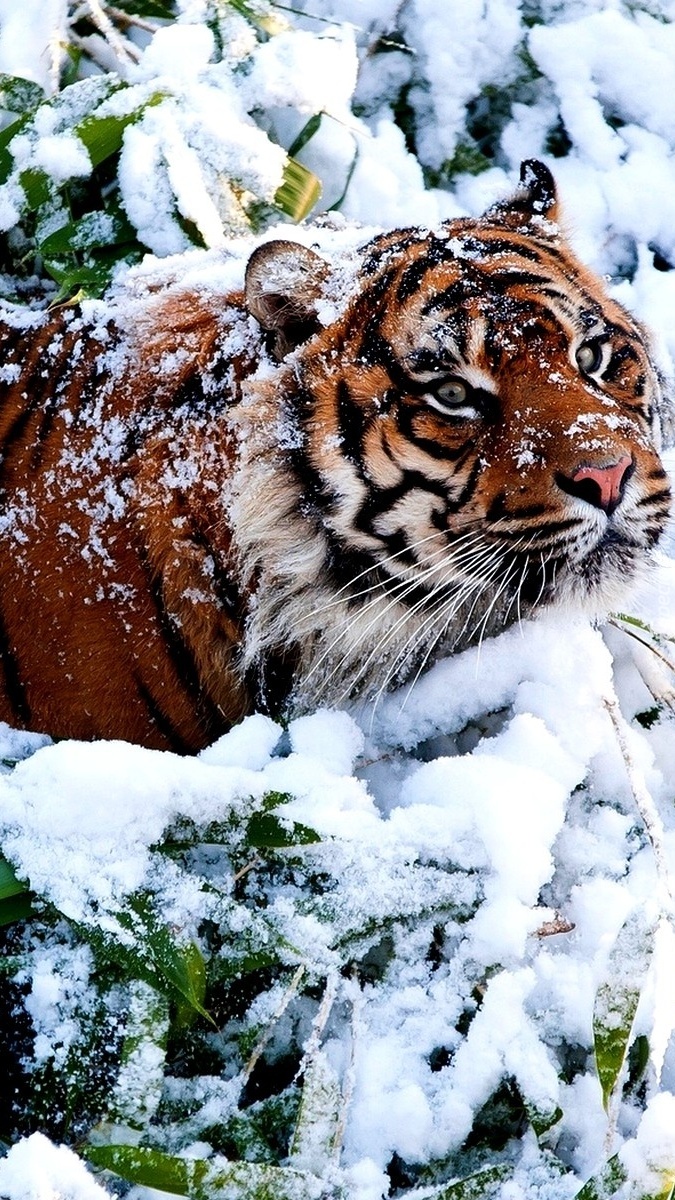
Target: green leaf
x: 137, y: 1092
x: 71, y: 65
x: 299, y: 191
x: 631, y: 620
x: 318, y: 1119
x: 9, y: 884
x: 162, y: 9
x: 102, y: 136
x: 15, y: 897
x: 15, y: 908
x: 305, y: 135
x: 477, y: 1186
x: 80, y: 281
x: 19, y: 95
x: 466, y: 160
x: 180, y: 964
x: 149, y: 1168
x: 200, y: 1179
x: 606, y: 1183
x: 37, y: 185
x: 234, y: 968
x: 265, y: 831
x: 94, y: 229
x: 540, y: 1121
x: 91, y: 277
x: 6, y: 135
x: 618, y: 996
x: 274, y: 799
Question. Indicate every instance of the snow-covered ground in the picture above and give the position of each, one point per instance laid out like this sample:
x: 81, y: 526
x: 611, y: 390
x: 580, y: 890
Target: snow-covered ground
x: 496, y: 861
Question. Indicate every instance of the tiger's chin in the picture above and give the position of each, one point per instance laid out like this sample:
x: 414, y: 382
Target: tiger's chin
x: 603, y: 582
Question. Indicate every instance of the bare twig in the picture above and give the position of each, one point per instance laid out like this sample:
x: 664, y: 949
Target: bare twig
x: 645, y: 806
x: 319, y: 1023
x: 126, y: 20
x: 121, y: 46
x: 250, y: 866
x: 350, y: 1073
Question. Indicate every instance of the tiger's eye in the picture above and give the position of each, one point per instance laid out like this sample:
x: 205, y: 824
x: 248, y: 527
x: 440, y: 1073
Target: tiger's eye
x: 453, y: 393
x: 589, y: 357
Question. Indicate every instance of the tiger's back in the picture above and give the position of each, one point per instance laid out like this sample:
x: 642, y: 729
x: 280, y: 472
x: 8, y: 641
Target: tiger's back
x: 112, y: 468
x: 196, y: 523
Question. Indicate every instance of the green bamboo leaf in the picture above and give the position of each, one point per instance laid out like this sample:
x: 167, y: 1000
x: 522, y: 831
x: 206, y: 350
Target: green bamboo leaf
x: 102, y: 135
x: 478, y: 1186
x: 37, y: 185
x: 90, y: 277
x: 15, y: 908
x: 606, y: 1183
x: 298, y: 192
x: 163, y: 960
x: 182, y: 966
x: 71, y: 65
x: 138, y: 1089
x: 618, y: 996
x: 162, y: 9
x: 77, y: 282
x: 305, y: 135
x: 631, y: 620
x: 93, y: 230
x: 199, y: 1179
x: 15, y: 898
x: 313, y: 1143
x: 19, y: 95
x: 9, y: 884
x: 265, y: 831
x: 274, y: 799
x: 149, y: 1168
x: 540, y: 1121
x: 6, y: 135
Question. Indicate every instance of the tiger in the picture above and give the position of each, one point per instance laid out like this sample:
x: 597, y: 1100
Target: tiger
x: 287, y: 495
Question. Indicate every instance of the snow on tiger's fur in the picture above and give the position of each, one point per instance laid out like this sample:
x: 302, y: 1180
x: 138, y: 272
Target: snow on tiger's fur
x: 274, y: 496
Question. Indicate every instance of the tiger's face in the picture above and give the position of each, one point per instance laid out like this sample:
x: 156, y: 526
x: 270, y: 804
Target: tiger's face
x: 479, y: 435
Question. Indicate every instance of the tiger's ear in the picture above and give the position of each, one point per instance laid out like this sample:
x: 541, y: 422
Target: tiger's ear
x: 282, y: 287
x: 537, y: 195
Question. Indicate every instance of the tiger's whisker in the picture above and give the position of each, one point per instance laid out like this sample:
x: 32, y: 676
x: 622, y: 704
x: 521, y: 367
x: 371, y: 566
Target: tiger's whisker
x: 449, y: 605
x: 402, y: 590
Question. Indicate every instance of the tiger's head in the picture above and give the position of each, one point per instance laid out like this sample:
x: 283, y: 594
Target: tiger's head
x: 475, y: 437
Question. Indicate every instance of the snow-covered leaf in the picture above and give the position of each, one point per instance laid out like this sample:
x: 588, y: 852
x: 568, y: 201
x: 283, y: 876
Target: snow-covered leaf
x: 617, y: 997
x: 201, y: 1179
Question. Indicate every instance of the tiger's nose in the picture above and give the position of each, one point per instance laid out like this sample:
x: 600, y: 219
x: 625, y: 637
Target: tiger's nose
x: 601, y: 486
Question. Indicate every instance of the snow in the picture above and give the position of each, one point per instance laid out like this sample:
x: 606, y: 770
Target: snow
x: 35, y: 1169
x: 498, y: 800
